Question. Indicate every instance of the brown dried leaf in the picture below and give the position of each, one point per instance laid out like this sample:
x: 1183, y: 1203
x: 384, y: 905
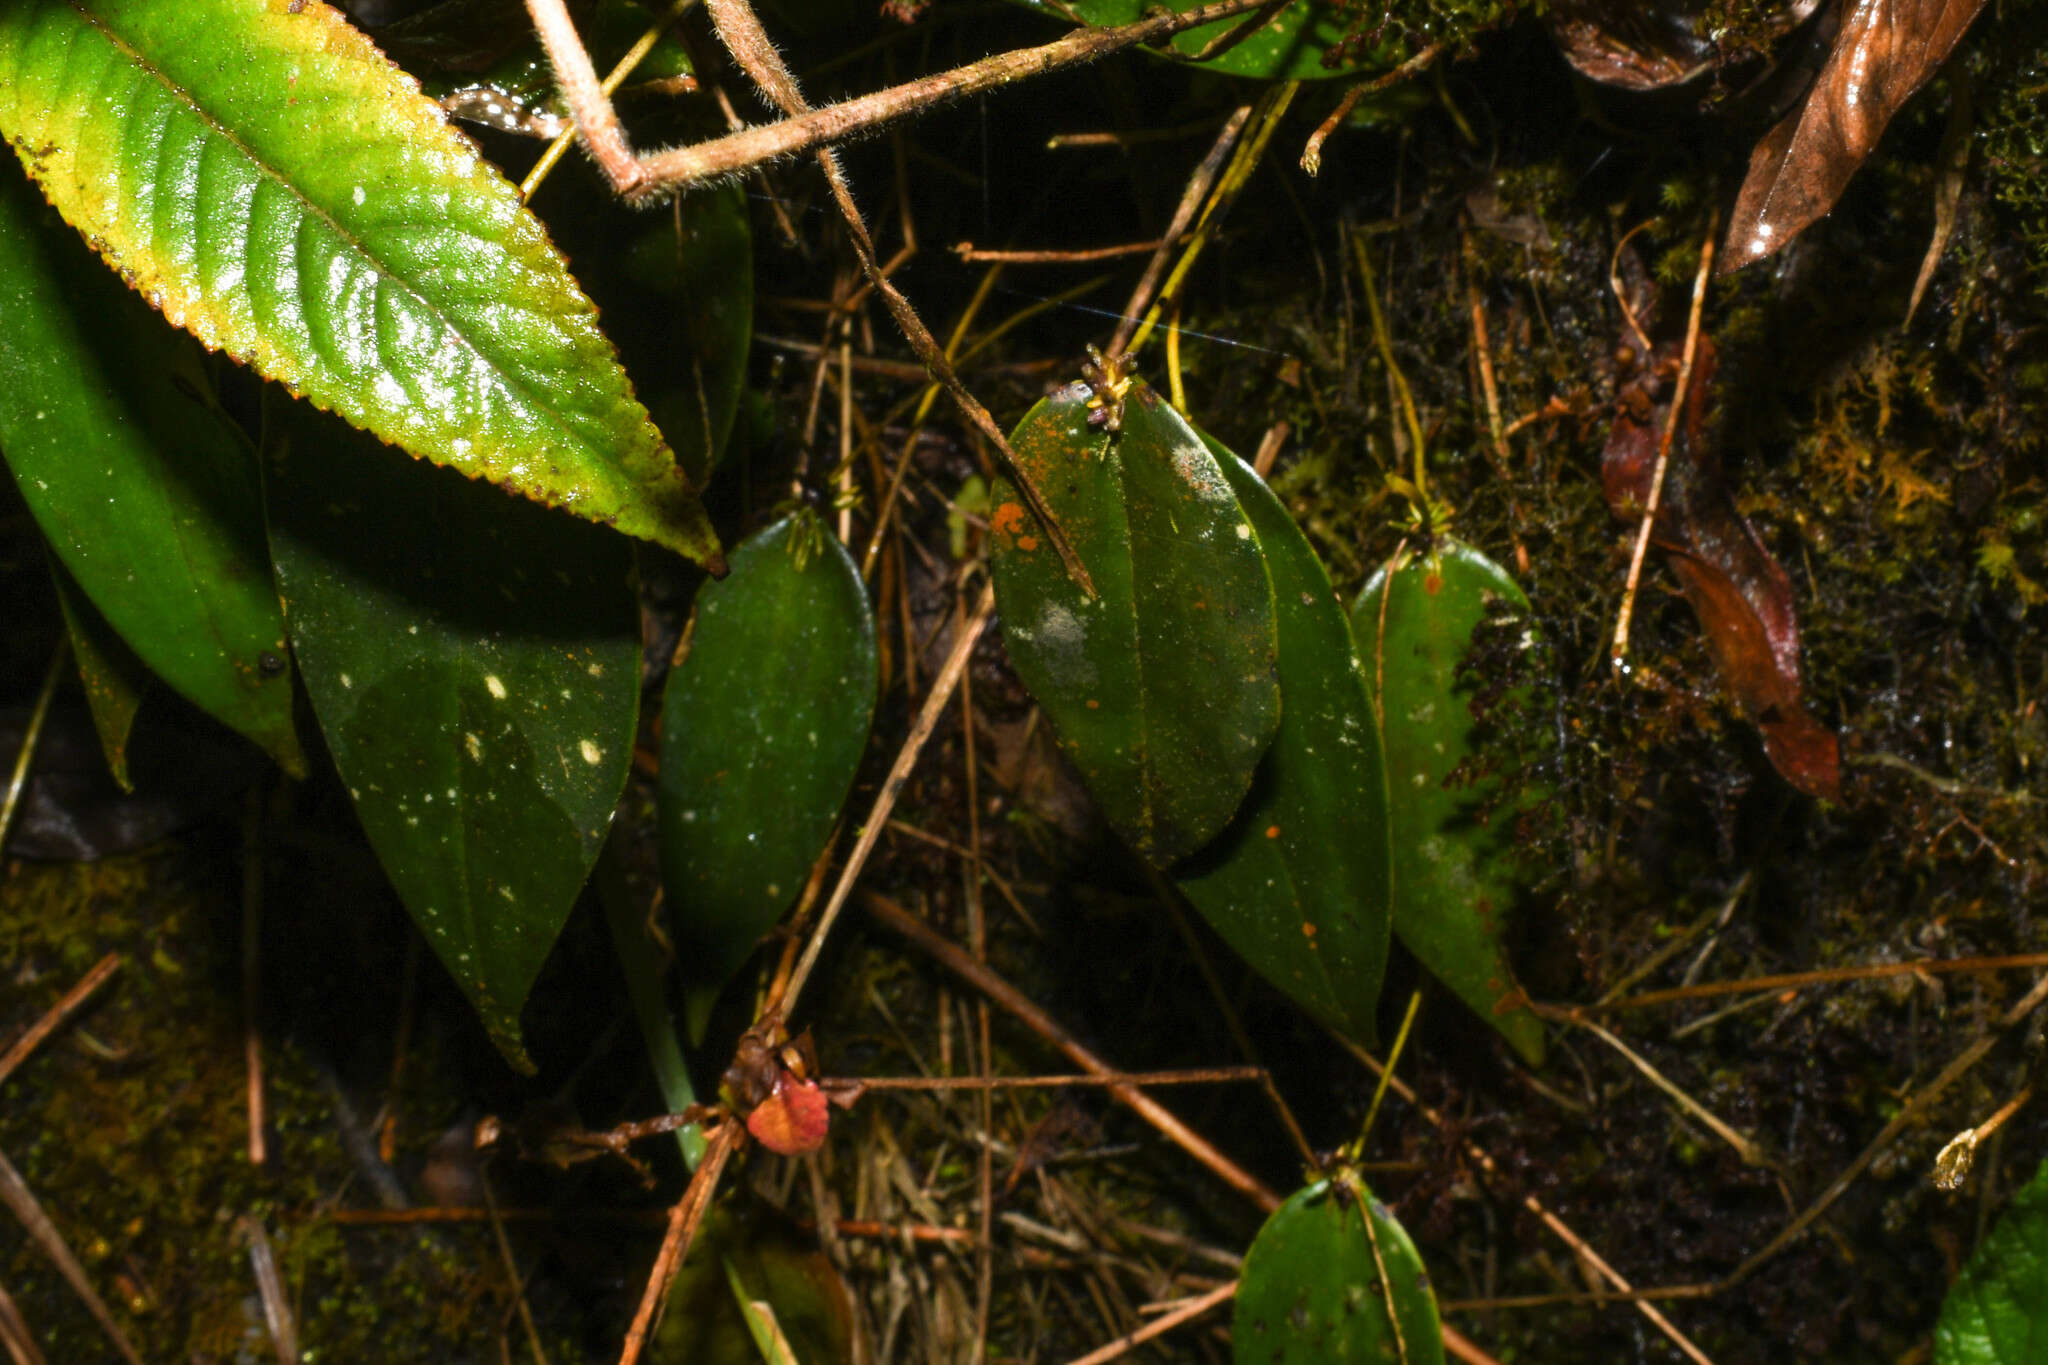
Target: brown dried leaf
x: 1884, y: 51
x: 793, y: 1120
x: 1743, y: 596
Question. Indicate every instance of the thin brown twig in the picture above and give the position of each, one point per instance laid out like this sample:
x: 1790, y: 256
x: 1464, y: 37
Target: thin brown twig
x: 969, y: 252
x: 277, y: 1312
x: 887, y: 506
x: 1908, y: 1111
x: 1197, y: 189
x: 683, y: 1222
x: 24, y: 758
x: 892, y: 786
x: 1952, y: 1163
x: 1619, y: 653
x: 66, y: 1006
x: 1163, y: 891
x: 1159, y: 1326
x: 512, y: 1276
x: 962, y: 965
x: 1744, y: 1147
x: 21, y: 1344
x: 1312, y: 151
x: 252, y: 971
x: 1204, y: 1075
x: 22, y: 1202
x: 1820, y: 976
x: 720, y: 157
x: 1595, y: 1297
x: 596, y: 122
x: 740, y: 30
x: 977, y: 942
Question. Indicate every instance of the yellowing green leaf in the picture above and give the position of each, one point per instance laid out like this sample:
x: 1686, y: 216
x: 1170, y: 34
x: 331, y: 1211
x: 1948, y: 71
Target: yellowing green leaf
x: 260, y: 173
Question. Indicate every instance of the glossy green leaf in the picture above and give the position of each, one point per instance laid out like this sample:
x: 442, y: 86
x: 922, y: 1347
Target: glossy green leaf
x: 1298, y: 884
x: 1163, y: 688
x: 692, y: 275
x: 259, y: 171
x: 763, y: 727
x: 474, y: 663
x: 1457, y: 873
x: 1332, y: 1279
x: 1996, y: 1313
x: 1291, y: 47
x: 113, y: 678
x: 147, y: 494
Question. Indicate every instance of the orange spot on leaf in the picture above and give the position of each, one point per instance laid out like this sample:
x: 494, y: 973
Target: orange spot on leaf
x: 1007, y: 519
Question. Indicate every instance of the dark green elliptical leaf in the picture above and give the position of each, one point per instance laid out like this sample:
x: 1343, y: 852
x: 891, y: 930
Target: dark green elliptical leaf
x: 1164, y: 688
x: 1455, y: 868
x: 1298, y: 883
x: 691, y: 322
x: 1996, y: 1313
x: 763, y: 727
x: 1291, y: 47
x: 258, y: 171
x: 1320, y: 1280
x: 147, y: 495
x: 474, y: 663
x: 113, y: 678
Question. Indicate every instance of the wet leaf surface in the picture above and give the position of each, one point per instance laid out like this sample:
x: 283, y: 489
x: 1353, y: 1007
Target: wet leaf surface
x: 1742, y: 595
x: 1163, y: 688
x: 263, y: 175
x: 1456, y: 870
x: 146, y: 493
x: 1884, y: 51
x: 1299, y: 882
x: 763, y: 728
x: 474, y: 663
x: 1997, y: 1312
x: 1332, y: 1279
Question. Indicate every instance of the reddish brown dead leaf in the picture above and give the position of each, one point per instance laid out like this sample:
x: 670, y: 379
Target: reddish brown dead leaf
x: 1743, y: 596
x: 1884, y: 51
x: 794, y: 1119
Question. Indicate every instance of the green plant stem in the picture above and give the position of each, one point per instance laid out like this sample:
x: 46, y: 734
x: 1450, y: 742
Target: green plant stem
x: 644, y: 960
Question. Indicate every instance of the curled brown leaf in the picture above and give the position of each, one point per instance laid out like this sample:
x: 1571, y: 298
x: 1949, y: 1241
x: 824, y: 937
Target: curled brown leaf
x: 1742, y: 595
x: 1884, y: 50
